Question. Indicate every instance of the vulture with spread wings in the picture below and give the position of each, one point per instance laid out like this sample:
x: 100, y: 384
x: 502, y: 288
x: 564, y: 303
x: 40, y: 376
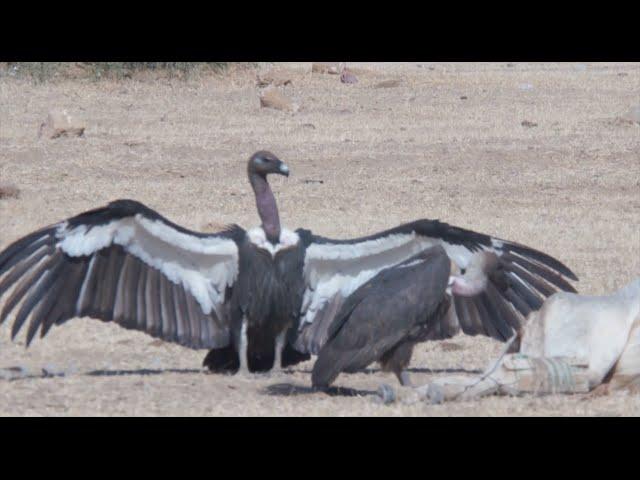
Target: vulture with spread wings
x: 260, y: 298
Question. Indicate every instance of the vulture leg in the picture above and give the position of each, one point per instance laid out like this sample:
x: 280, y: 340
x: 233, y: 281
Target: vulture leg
x: 396, y: 360
x: 242, y: 351
x: 404, y: 379
x: 280, y: 342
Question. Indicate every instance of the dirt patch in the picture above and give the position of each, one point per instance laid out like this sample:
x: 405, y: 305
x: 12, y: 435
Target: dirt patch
x: 361, y: 159
x: 8, y: 190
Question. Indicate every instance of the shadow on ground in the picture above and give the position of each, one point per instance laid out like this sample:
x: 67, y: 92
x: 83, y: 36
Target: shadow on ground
x: 21, y: 373
x: 290, y: 390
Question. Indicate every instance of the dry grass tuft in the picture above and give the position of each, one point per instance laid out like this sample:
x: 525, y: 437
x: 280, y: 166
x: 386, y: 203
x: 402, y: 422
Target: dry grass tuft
x: 8, y: 190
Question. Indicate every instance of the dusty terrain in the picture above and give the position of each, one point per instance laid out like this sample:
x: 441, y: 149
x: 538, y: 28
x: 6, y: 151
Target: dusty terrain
x: 569, y: 185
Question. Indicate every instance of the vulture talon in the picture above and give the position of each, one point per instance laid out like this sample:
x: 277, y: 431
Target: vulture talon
x: 386, y: 394
x: 405, y: 379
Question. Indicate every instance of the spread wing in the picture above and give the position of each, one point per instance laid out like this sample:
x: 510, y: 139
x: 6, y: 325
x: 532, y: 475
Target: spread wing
x: 494, y: 283
x: 123, y: 263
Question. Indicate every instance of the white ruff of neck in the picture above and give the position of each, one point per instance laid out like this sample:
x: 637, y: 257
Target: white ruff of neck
x: 287, y: 239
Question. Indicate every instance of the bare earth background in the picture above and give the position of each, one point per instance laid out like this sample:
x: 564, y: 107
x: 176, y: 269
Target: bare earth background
x: 569, y: 186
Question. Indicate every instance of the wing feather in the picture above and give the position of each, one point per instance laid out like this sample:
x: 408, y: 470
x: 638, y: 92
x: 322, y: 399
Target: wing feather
x: 495, y: 283
x: 123, y: 263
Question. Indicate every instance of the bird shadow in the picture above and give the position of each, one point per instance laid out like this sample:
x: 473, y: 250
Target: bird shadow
x: 142, y: 371
x: 434, y: 370
x: 12, y: 374
x: 417, y: 370
x: 292, y: 390
x: 19, y: 373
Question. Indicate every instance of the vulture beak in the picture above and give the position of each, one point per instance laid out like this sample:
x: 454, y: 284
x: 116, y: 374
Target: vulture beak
x: 283, y: 169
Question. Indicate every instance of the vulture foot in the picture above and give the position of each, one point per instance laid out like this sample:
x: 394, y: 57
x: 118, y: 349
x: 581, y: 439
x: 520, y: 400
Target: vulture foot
x: 385, y: 394
x: 404, y: 379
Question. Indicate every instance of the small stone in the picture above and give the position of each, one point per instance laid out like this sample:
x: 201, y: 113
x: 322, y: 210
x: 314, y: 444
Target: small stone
x: 8, y: 190
x: 463, y: 97
x: 309, y: 125
x: 528, y: 124
x: 330, y: 68
x: 278, y: 78
x: 272, y: 98
x: 386, y: 394
x: 60, y: 123
x: 348, y: 77
x: 387, y: 84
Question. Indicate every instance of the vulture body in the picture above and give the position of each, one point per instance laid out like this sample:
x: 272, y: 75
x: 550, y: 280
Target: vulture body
x: 265, y: 297
x: 385, y: 317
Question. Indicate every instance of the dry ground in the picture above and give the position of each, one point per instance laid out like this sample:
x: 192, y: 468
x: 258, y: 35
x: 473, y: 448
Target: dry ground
x: 569, y: 186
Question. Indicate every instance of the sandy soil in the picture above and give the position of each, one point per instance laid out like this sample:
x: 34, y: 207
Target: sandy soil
x: 569, y: 186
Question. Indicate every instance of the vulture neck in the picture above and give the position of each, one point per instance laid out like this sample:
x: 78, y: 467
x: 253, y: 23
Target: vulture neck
x: 267, y: 208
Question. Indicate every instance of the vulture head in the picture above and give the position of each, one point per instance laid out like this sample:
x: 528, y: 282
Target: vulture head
x: 260, y: 165
x: 263, y: 163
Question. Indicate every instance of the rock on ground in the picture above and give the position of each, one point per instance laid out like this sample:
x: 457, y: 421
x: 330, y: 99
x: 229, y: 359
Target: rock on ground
x: 332, y: 68
x: 348, y: 77
x: 276, y: 77
x: 60, y: 123
x: 273, y: 98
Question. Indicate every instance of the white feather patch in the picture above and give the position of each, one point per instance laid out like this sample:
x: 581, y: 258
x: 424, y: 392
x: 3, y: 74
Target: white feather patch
x: 287, y: 239
x: 334, y: 251
x: 343, y: 285
x: 339, y: 269
x: 204, y: 266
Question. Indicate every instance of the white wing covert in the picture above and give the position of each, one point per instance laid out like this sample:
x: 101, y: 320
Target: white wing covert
x: 123, y: 263
x: 494, y: 283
